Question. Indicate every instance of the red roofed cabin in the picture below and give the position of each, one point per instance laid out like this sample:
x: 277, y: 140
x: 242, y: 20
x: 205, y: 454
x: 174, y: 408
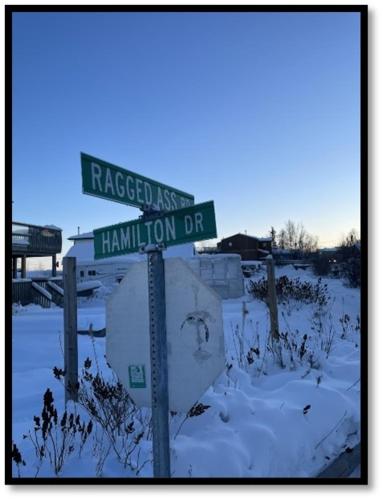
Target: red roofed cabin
x: 249, y: 247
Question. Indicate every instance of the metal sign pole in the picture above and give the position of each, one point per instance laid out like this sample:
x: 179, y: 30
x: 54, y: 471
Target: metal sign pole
x: 159, y: 364
x: 158, y: 357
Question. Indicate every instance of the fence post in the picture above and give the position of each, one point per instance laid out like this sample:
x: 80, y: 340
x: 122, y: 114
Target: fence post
x: 54, y: 269
x: 23, y: 266
x: 70, y: 329
x: 14, y: 267
x: 241, y: 337
x: 273, y: 308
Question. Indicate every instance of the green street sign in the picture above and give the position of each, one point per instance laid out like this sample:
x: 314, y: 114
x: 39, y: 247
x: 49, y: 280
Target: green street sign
x: 111, y: 182
x: 192, y: 223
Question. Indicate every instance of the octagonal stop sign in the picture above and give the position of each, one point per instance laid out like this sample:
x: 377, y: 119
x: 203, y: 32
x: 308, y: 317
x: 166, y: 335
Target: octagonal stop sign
x: 194, y: 328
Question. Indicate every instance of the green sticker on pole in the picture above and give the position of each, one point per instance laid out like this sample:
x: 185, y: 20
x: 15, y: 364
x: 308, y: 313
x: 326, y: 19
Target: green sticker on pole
x: 194, y: 223
x: 137, y: 376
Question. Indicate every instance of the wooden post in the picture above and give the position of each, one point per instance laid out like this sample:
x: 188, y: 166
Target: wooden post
x: 272, y: 298
x: 273, y: 308
x: 70, y: 329
x: 14, y: 267
x: 54, y: 273
x: 23, y: 266
x: 241, y: 337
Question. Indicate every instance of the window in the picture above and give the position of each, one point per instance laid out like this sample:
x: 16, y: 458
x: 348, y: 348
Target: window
x: 81, y: 274
x: 91, y: 273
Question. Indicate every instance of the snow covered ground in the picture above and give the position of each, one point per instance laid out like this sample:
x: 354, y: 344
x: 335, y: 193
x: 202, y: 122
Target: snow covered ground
x: 257, y: 420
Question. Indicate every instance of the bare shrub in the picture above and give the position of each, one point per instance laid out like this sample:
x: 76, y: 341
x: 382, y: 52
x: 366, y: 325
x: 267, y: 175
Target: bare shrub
x: 54, y: 437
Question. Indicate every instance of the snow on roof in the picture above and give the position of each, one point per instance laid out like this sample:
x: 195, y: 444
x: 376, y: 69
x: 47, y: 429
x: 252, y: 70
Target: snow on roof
x: 82, y: 236
x: 52, y: 226
x: 249, y: 236
x: 81, y: 252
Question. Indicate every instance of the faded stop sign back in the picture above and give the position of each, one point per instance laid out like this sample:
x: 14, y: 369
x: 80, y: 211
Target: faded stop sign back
x: 196, y: 354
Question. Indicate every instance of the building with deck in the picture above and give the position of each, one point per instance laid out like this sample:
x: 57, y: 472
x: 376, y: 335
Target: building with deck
x: 29, y: 240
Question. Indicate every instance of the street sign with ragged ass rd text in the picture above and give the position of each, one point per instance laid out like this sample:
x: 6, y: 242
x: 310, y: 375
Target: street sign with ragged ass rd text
x: 108, y: 181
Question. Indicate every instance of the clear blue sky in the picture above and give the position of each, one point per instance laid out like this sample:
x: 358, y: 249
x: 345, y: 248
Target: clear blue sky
x: 258, y: 112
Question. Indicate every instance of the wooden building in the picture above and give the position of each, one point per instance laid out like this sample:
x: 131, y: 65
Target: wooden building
x: 29, y: 240
x: 249, y: 247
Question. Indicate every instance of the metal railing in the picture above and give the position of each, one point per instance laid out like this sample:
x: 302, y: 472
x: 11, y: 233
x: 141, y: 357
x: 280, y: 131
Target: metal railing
x: 39, y: 240
x: 41, y: 296
x: 25, y: 291
x: 22, y: 291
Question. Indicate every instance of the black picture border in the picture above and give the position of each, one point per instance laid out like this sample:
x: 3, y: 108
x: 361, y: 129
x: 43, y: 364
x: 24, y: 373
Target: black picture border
x: 363, y: 10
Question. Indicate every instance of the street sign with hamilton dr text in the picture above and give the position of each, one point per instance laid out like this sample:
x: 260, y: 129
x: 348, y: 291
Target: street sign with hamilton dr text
x: 194, y: 223
x: 104, y: 180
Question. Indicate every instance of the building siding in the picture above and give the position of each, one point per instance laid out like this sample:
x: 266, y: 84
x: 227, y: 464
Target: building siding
x: 248, y: 247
